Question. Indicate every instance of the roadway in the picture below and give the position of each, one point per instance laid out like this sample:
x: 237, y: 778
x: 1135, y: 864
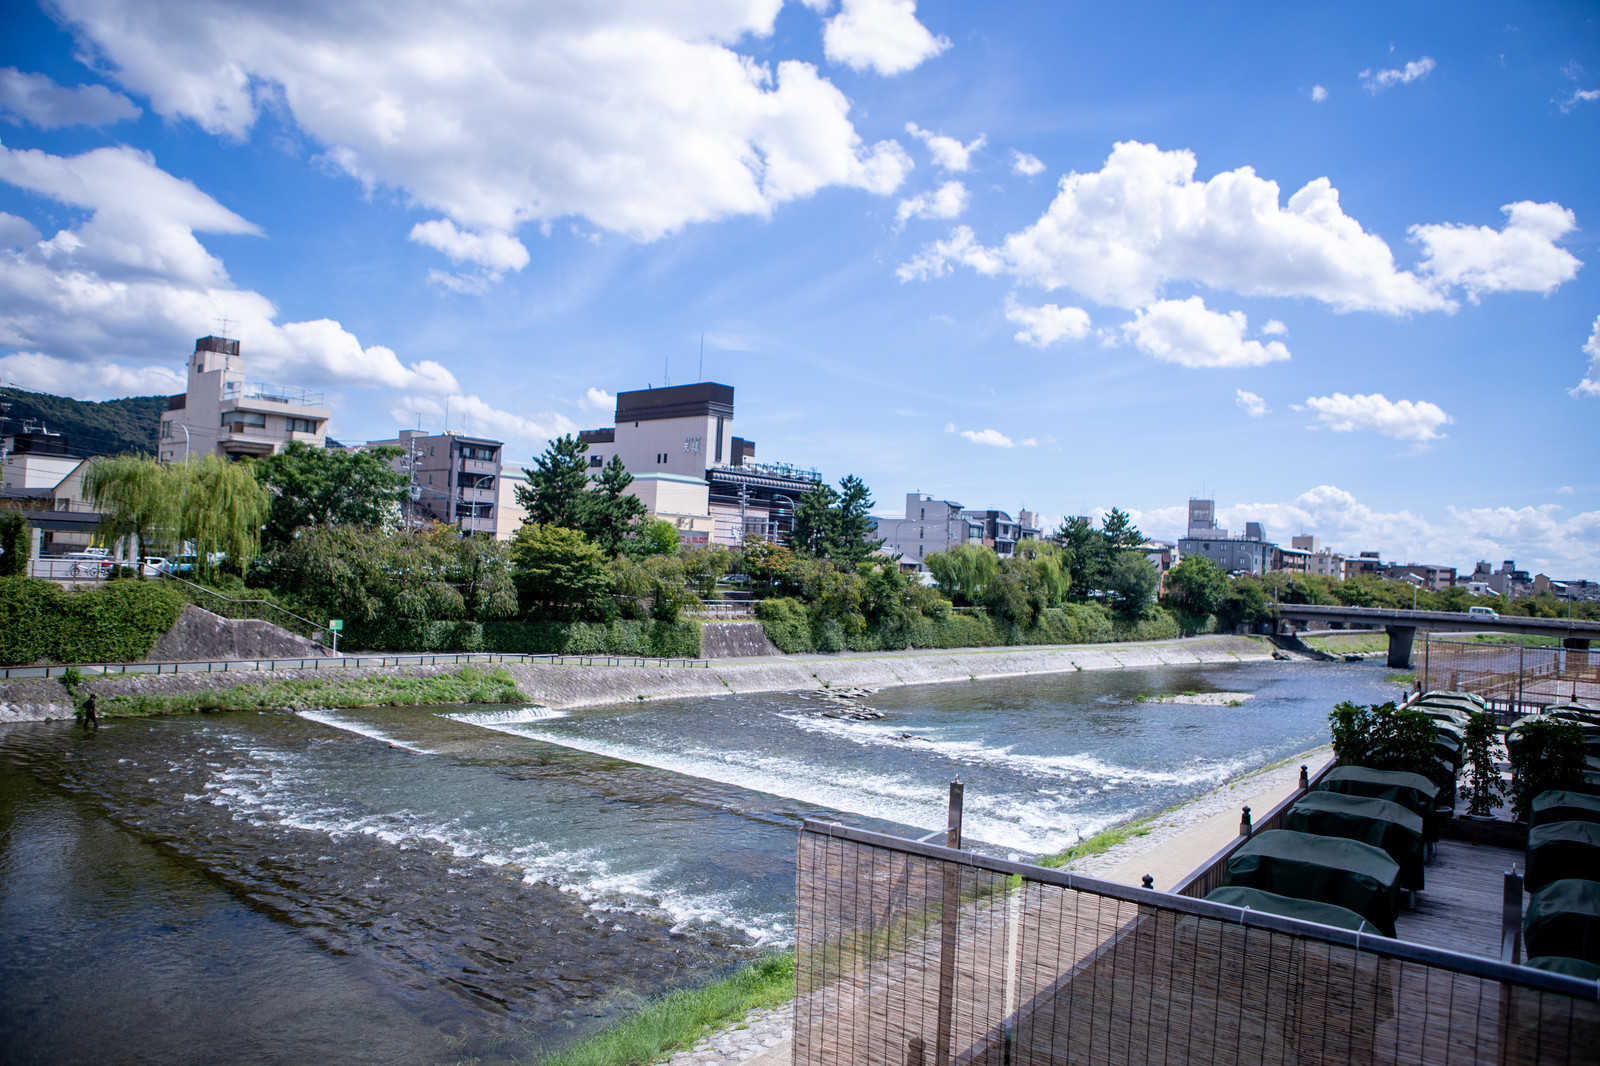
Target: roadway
x: 1402, y: 625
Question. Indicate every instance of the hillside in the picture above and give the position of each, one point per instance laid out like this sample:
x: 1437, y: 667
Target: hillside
x: 107, y: 428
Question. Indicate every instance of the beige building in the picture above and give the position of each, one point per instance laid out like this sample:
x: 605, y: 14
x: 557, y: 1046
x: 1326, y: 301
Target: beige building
x: 686, y: 432
x: 455, y: 480
x: 224, y: 413
x: 682, y: 500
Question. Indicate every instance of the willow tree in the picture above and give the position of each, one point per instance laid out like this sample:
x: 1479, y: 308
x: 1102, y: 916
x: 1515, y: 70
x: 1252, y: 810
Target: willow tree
x: 138, y: 496
x: 223, y: 510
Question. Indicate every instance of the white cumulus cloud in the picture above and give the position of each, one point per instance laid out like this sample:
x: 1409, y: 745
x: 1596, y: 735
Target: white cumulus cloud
x: 1044, y: 326
x: 1318, y: 94
x: 1188, y: 333
x: 1590, y: 385
x: 947, y: 201
x: 1401, y: 419
x: 1378, y: 80
x: 992, y: 437
x: 948, y: 153
x: 597, y: 400
x: 117, y: 300
x: 880, y: 35
x: 1521, y: 256
x: 1025, y: 164
x: 92, y: 380
x: 37, y: 99
x: 1117, y: 235
x: 473, y: 414
x: 637, y: 116
x: 1253, y: 405
x: 495, y: 250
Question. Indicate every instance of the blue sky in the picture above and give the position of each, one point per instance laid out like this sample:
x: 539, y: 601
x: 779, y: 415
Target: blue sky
x: 1330, y: 266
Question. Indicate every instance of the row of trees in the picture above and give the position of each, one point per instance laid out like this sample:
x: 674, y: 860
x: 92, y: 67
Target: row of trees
x: 1078, y: 563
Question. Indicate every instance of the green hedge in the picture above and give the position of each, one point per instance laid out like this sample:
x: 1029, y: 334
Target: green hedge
x: 118, y: 622
x: 794, y: 630
x: 670, y: 640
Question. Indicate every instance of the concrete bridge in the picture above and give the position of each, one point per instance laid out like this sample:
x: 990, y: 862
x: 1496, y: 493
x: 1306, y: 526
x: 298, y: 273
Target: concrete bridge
x: 1402, y: 626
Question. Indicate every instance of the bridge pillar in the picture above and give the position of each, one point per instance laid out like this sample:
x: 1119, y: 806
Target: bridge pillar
x: 1575, y: 643
x: 1400, y: 639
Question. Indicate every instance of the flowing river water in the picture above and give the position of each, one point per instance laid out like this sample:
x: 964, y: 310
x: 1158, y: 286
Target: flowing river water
x: 433, y: 884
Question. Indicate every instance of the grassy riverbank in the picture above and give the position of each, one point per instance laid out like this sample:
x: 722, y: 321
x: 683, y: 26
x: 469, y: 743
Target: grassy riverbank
x: 676, y: 1021
x: 469, y: 685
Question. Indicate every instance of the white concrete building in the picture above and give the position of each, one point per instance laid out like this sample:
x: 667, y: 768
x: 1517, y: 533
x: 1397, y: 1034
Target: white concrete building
x: 225, y: 414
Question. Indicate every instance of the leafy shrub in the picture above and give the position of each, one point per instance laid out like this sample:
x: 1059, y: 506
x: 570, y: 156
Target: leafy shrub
x: 1383, y: 738
x: 1486, y: 788
x: 1548, y: 755
x: 120, y: 622
x: 14, y: 546
x: 787, y: 624
x: 651, y: 639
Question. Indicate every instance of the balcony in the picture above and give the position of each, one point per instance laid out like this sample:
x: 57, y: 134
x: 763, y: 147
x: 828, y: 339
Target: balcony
x: 479, y: 466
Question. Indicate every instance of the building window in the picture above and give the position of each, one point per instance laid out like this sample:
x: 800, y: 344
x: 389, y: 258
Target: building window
x: 595, y: 460
x: 244, y: 418
x: 302, y: 425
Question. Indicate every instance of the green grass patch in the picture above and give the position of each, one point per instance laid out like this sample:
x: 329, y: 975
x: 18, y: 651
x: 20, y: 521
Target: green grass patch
x: 1104, y: 840
x: 1527, y: 641
x: 1347, y: 643
x: 1401, y: 679
x: 675, y: 1021
x: 469, y: 685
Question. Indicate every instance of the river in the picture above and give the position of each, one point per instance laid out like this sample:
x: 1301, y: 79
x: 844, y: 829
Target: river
x: 434, y: 884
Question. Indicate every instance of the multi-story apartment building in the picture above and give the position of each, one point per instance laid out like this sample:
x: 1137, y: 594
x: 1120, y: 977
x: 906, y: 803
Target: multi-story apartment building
x: 690, y: 469
x: 1436, y: 578
x: 1324, y: 562
x: 930, y: 526
x: 1002, y: 532
x: 224, y: 413
x: 1246, y: 553
x: 455, y: 479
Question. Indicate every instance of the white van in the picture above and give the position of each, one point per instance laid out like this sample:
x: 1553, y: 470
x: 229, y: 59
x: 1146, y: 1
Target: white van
x: 1488, y: 613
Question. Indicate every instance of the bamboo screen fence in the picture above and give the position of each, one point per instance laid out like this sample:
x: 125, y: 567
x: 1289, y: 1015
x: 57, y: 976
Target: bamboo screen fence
x: 1509, y: 676
x: 917, y: 955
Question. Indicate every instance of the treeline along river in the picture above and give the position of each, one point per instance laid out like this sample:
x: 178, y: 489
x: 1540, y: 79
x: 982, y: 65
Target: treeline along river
x: 428, y: 884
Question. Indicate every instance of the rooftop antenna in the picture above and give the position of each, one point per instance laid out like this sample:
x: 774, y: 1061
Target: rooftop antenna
x: 447, y: 416
x: 702, y: 355
x: 224, y: 326
x: 666, y: 370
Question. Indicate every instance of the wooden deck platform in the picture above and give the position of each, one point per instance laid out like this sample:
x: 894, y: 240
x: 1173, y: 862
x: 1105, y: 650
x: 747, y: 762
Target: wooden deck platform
x: 1460, y: 908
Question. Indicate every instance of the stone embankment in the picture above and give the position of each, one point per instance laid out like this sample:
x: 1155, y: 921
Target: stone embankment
x: 199, y: 635
x: 564, y: 686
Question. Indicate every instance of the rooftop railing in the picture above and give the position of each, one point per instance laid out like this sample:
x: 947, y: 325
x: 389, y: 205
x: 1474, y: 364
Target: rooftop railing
x: 260, y: 390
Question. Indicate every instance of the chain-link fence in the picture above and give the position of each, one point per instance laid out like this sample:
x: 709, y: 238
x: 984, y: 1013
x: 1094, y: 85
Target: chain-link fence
x: 1512, y: 678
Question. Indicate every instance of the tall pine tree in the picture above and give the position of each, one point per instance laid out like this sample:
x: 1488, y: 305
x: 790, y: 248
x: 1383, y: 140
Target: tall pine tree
x: 558, y: 485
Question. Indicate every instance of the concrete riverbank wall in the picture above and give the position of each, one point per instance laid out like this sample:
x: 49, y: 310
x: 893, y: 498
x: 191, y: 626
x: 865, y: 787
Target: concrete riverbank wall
x: 565, y: 687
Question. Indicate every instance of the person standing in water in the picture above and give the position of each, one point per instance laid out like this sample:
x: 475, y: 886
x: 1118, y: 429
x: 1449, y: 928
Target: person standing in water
x: 91, y: 720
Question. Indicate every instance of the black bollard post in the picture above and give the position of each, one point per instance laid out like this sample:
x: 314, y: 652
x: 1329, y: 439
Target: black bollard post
x: 1148, y: 881
x: 1305, y: 777
x: 1244, y: 823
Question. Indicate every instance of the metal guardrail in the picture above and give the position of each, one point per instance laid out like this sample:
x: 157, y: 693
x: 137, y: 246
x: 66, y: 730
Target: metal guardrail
x: 71, y: 569
x: 347, y: 662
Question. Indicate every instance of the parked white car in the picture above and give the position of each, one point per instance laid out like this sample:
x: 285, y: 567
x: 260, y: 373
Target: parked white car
x: 1487, y: 613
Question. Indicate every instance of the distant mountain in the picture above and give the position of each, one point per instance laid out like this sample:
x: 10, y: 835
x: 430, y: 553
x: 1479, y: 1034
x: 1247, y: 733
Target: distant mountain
x: 108, y: 428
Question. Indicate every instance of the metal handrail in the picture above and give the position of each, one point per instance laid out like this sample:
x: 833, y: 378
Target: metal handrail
x: 305, y: 627
x: 349, y: 662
